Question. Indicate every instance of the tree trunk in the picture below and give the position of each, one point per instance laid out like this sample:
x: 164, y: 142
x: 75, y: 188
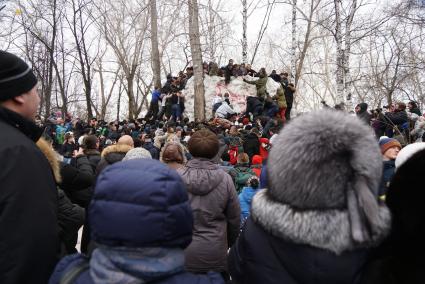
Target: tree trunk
x: 156, y: 64
x: 198, y: 72
x: 294, y: 41
x: 339, y: 54
x: 244, y: 29
x: 132, y: 107
x: 347, y: 75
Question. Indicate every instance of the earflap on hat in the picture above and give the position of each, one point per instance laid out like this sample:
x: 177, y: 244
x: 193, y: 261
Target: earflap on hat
x: 363, y: 211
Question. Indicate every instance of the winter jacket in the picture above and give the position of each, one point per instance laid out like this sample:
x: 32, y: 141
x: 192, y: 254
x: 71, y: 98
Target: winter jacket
x: 111, y: 155
x: 388, y: 172
x: 280, y: 97
x: 257, y: 164
x: 94, y: 158
x: 259, y: 257
x: 77, y: 181
x: 281, y: 243
x: 264, y: 148
x: 397, y: 118
x: 240, y: 175
x: 399, y: 260
x: 251, y: 145
x: 261, y: 86
x: 254, y: 105
x: 289, y: 94
x: 156, y: 94
x: 68, y: 149
x: 224, y: 110
x: 119, y: 215
x: 245, y: 200
x: 216, y: 213
x: 152, y: 149
x: 71, y: 218
x: 363, y: 114
x: 419, y: 129
x: 29, y: 242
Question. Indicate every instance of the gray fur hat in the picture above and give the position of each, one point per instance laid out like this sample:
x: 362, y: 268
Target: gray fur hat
x: 137, y: 153
x: 325, y: 166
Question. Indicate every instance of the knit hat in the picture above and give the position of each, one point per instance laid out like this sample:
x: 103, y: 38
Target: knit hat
x: 203, y: 144
x: 16, y: 77
x: 387, y: 143
x: 329, y: 165
x: 408, y: 152
x: 137, y: 153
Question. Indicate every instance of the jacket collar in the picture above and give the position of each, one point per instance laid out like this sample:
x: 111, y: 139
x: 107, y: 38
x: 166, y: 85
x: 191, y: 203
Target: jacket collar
x: 27, y: 127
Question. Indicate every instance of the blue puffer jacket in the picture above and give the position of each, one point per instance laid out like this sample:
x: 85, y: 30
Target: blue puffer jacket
x: 141, y: 219
x: 245, y: 200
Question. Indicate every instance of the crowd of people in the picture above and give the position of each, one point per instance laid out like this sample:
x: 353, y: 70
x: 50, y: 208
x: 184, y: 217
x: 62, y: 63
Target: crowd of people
x: 167, y: 103
x: 246, y: 198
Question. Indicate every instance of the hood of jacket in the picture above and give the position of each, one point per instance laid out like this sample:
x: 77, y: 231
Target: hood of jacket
x: 201, y: 176
x: 144, y: 265
x: 363, y: 107
x: 51, y: 156
x: 257, y: 160
x: 115, y: 153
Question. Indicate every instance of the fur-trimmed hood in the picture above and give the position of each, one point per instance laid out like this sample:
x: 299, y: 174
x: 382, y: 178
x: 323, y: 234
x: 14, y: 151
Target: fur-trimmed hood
x: 51, y: 156
x: 118, y: 148
x: 325, y: 229
x: 115, y: 153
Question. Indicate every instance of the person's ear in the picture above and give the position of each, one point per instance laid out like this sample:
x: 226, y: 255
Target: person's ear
x: 19, y: 99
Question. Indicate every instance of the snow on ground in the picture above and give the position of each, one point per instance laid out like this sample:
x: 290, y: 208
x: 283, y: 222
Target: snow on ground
x: 238, y: 91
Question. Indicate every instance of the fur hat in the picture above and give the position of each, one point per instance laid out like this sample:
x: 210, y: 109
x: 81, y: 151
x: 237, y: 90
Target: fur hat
x: 387, y: 143
x: 324, y: 173
x: 408, y: 152
x: 137, y: 153
x: 16, y: 77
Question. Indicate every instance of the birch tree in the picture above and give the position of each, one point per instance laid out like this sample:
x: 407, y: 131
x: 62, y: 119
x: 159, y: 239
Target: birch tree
x: 156, y: 62
x: 198, y: 72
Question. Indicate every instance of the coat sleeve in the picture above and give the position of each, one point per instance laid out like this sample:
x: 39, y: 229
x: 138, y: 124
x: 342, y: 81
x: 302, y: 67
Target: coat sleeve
x: 236, y: 259
x: 232, y: 212
x: 71, y: 218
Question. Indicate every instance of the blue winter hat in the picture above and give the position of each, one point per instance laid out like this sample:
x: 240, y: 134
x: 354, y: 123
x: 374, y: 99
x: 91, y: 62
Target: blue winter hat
x: 387, y: 143
x: 140, y: 203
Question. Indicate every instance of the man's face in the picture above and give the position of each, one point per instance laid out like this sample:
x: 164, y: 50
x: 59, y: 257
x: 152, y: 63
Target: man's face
x: 357, y: 109
x: 31, y: 103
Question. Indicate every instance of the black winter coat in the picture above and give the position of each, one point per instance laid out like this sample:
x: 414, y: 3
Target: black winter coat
x: 29, y: 241
x: 251, y: 145
x: 71, y: 218
x: 78, y: 181
x: 259, y: 257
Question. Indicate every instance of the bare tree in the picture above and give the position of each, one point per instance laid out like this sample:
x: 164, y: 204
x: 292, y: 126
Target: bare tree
x: 79, y: 24
x: 195, y: 47
x: 124, y: 27
x: 156, y: 62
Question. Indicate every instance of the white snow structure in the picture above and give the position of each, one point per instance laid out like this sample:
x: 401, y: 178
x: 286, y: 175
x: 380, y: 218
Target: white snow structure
x: 238, y: 91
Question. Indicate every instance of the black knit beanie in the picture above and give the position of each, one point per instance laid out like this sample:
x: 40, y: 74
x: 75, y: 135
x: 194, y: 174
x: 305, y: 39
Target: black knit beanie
x: 16, y: 77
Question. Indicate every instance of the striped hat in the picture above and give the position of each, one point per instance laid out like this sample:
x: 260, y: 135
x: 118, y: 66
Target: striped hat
x: 387, y: 143
x: 16, y: 77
